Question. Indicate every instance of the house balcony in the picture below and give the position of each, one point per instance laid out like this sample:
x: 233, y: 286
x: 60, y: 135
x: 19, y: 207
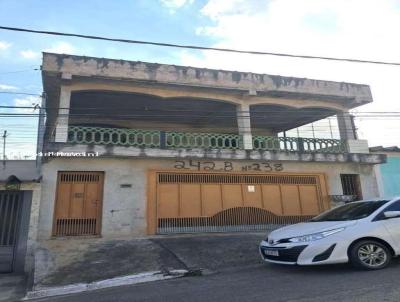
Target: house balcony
x: 118, y: 124
x: 111, y: 142
x: 177, y: 140
x: 100, y: 105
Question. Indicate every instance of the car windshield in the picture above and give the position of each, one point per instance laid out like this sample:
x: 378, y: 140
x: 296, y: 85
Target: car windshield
x: 350, y: 211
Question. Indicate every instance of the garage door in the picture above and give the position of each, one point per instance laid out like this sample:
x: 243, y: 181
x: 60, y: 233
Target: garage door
x: 10, y: 209
x: 203, y: 202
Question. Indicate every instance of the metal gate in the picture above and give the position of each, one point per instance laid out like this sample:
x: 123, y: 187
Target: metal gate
x: 10, y: 212
x: 79, y: 204
x: 212, y: 202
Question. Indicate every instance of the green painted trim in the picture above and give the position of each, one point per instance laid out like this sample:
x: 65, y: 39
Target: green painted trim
x: 113, y: 136
x: 299, y: 144
x: 170, y: 139
x: 203, y: 140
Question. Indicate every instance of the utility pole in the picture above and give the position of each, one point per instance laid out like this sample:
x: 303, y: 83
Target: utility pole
x: 4, y: 147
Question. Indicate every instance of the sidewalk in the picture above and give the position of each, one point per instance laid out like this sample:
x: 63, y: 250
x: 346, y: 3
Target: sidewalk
x: 214, y: 252
x: 12, y: 287
x: 86, y: 262
x: 69, y: 261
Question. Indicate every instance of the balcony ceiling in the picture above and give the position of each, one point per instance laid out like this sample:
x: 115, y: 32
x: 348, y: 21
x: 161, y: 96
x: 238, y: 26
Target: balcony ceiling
x: 281, y: 118
x: 104, y: 108
x: 108, y: 107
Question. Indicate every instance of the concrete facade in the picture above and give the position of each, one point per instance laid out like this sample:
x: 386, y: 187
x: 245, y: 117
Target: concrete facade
x: 73, y: 84
x: 124, y: 208
x: 110, y: 151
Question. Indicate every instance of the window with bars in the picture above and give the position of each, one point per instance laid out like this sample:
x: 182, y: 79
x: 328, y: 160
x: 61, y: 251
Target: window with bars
x: 351, y: 186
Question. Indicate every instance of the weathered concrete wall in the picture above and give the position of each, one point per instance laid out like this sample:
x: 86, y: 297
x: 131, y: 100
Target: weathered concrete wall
x: 124, y: 209
x: 129, y: 151
x: 33, y: 224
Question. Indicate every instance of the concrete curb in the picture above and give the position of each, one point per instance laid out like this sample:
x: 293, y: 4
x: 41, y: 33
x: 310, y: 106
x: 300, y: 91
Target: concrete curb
x: 117, y: 281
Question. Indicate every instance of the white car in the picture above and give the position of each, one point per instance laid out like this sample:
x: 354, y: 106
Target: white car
x: 364, y: 233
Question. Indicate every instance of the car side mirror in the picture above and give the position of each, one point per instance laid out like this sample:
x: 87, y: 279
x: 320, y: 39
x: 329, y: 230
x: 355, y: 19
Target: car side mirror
x: 391, y: 214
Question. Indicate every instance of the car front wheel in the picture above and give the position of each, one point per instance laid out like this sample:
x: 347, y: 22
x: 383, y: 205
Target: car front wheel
x: 370, y: 254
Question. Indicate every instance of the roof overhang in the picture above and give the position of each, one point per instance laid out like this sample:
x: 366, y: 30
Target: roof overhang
x: 61, y: 69
x: 58, y: 66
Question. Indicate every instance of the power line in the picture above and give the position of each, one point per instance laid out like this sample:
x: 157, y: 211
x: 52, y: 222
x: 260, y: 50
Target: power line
x: 233, y: 112
x: 18, y: 71
x: 182, y: 127
x: 56, y: 33
x: 177, y: 118
x: 169, y: 116
x: 22, y: 93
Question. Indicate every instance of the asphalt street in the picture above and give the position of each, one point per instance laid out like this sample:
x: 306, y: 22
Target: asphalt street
x: 261, y: 282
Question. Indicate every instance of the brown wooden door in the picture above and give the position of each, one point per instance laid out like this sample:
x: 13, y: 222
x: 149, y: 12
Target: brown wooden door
x: 78, y: 203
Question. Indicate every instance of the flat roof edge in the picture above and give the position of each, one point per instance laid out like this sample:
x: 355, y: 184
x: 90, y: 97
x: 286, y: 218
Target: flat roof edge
x: 196, y: 68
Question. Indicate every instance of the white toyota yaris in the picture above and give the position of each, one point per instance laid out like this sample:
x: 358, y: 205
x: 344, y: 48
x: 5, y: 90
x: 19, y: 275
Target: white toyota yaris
x: 364, y: 233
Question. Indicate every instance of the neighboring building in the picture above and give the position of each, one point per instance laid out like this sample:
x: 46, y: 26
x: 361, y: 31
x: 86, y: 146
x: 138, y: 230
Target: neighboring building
x: 183, y: 149
x: 388, y: 174
x: 19, y: 214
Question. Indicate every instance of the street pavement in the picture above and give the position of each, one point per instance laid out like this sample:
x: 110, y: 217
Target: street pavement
x: 64, y: 262
x: 12, y: 287
x: 261, y: 282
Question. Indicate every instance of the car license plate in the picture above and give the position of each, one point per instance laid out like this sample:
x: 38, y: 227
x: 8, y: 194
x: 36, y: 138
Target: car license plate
x: 271, y: 253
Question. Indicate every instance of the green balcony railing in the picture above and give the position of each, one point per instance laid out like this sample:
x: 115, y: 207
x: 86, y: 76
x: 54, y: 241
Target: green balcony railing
x: 113, y: 136
x: 168, y: 139
x: 152, y: 139
x: 202, y: 140
x: 299, y: 144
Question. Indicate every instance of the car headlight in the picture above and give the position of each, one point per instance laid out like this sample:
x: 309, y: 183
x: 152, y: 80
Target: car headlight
x: 315, y: 236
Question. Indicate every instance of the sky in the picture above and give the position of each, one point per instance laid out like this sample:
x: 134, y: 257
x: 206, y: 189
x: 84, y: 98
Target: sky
x: 362, y: 29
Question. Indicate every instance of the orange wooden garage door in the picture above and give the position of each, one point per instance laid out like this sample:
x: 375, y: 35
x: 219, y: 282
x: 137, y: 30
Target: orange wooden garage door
x: 78, y: 204
x: 211, y: 202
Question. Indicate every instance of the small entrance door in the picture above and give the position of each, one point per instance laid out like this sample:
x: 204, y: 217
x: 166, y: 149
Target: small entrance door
x: 10, y: 213
x: 78, y: 204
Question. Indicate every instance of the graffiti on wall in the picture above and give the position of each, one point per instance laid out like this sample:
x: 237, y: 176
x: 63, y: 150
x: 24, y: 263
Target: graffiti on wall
x: 226, y: 166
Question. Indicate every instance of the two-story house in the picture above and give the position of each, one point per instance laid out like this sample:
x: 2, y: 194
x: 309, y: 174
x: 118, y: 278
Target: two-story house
x: 139, y: 148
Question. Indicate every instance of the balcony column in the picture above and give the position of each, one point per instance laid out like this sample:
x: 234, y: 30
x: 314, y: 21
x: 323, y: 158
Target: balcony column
x: 346, y: 126
x: 348, y: 133
x: 61, y: 135
x: 244, y: 125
